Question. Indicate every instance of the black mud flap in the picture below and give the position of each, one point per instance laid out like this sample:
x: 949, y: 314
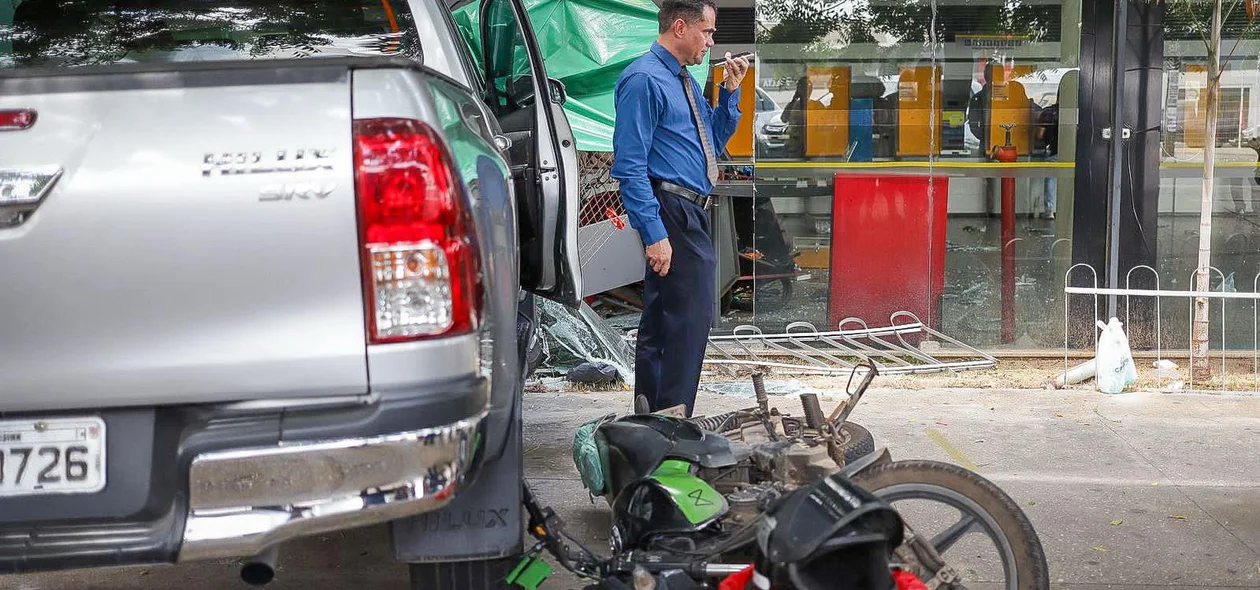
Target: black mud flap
x: 484, y: 521
x: 475, y: 542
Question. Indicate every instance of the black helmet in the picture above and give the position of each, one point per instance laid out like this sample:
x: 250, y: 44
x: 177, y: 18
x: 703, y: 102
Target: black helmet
x: 832, y: 534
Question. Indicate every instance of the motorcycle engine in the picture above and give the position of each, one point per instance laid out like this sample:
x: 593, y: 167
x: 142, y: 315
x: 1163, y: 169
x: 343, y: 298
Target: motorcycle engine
x: 747, y: 503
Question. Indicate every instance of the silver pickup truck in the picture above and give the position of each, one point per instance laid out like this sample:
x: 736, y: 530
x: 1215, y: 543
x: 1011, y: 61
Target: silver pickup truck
x: 269, y: 271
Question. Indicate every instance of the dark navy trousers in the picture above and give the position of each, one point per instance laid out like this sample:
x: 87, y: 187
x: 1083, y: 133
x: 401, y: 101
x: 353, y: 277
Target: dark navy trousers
x: 677, y: 310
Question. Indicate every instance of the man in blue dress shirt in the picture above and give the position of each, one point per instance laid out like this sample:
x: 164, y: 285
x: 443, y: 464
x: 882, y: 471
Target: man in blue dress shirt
x: 665, y: 158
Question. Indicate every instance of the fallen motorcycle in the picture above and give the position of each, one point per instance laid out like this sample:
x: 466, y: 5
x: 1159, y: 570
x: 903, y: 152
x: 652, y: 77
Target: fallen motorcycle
x: 831, y: 534
x: 697, y: 499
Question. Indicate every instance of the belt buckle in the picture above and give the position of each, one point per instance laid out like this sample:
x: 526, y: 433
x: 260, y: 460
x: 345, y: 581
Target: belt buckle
x: 706, y: 202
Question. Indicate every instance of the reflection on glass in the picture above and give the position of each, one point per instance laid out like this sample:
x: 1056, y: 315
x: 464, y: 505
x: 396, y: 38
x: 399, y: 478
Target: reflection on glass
x: 858, y: 103
x: 1235, y: 225
x: 47, y: 33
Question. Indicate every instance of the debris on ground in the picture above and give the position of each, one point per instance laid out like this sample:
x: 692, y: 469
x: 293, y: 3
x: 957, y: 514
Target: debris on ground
x: 1115, y: 370
x: 545, y: 385
x: 1166, y: 369
x: 1077, y: 374
x: 593, y: 373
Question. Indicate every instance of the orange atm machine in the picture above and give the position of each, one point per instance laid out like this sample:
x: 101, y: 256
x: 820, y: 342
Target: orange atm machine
x: 827, y: 125
x: 1009, y: 103
x: 918, y: 89
x: 741, y: 143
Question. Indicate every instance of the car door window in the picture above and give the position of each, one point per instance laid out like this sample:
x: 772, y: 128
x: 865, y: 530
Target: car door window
x: 465, y: 41
x: 764, y: 102
x: 542, y: 155
x: 510, y: 82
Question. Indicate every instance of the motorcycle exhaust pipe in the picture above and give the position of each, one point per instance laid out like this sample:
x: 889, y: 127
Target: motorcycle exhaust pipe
x: 260, y: 569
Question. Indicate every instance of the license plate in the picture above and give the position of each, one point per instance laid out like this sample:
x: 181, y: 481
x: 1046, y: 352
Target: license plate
x: 52, y: 456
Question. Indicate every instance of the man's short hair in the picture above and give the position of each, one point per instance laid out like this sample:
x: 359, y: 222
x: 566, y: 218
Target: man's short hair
x: 688, y: 10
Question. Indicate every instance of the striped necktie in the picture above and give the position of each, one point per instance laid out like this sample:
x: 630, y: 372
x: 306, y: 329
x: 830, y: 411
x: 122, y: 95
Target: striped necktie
x: 710, y: 163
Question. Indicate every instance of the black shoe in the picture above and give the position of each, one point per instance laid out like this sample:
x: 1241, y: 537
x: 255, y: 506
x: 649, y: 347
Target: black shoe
x: 641, y: 405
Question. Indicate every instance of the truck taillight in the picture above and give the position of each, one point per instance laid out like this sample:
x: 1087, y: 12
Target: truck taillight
x: 420, y: 263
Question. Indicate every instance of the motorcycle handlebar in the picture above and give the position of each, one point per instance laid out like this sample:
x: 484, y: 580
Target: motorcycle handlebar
x: 871, y: 372
x: 842, y: 413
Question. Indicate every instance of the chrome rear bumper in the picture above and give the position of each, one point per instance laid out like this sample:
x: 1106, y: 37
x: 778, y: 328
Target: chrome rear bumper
x: 243, y: 501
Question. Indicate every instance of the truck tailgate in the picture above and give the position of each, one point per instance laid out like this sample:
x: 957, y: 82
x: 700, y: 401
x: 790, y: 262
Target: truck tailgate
x: 199, y: 244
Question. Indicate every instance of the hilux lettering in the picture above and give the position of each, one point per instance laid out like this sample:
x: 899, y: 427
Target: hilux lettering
x: 284, y: 160
x: 469, y: 519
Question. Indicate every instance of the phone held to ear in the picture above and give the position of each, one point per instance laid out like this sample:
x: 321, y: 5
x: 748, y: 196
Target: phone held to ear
x: 721, y: 61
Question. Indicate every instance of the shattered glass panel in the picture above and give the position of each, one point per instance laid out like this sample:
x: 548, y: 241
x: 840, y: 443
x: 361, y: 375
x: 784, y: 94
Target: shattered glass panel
x: 574, y: 339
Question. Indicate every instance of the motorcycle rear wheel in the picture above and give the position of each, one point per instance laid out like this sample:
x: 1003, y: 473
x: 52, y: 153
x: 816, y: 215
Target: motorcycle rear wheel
x: 981, y: 505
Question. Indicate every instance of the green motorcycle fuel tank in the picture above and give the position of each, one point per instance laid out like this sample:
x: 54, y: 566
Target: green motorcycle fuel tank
x: 645, y: 466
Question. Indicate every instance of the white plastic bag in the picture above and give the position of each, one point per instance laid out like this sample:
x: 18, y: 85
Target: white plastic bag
x: 1113, y: 358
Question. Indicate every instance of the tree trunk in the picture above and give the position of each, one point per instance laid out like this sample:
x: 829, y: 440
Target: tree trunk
x: 1199, y: 335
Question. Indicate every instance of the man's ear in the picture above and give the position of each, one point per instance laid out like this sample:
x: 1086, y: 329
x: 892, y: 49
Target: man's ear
x: 679, y: 28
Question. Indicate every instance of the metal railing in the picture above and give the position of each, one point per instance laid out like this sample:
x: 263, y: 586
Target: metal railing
x: 1158, y: 295
x: 802, y: 348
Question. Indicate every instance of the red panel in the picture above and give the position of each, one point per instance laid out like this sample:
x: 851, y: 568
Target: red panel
x: 887, y: 248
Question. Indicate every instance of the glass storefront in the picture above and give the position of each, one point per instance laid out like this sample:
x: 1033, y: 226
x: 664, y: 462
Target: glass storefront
x: 951, y: 159
x: 911, y: 156
x: 1235, y: 242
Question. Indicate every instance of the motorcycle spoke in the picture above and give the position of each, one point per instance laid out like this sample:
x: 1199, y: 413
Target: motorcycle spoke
x: 950, y: 536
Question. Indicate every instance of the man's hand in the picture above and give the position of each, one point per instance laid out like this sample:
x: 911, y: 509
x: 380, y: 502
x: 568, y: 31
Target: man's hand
x: 659, y: 255
x: 735, y: 70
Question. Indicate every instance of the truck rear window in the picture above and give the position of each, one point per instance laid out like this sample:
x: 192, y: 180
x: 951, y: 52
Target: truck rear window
x: 70, y: 33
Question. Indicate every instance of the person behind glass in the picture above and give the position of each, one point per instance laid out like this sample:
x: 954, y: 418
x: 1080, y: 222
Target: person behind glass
x: 979, y: 108
x: 794, y: 116
x: 1048, y: 133
x: 664, y: 156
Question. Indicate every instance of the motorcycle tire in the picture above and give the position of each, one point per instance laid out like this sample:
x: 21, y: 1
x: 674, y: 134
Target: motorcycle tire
x: 858, y: 442
x: 943, y: 482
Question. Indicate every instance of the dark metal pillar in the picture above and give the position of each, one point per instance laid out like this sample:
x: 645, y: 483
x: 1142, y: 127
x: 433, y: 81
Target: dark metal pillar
x: 1137, y: 173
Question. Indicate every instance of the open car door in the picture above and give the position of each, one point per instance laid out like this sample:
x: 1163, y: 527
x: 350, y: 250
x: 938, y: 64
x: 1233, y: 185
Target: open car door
x: 543, y: 154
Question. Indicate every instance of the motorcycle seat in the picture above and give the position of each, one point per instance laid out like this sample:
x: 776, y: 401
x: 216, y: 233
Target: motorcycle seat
x: 637, y: 444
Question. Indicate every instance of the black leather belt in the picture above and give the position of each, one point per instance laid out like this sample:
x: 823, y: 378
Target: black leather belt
x: 704, y: 201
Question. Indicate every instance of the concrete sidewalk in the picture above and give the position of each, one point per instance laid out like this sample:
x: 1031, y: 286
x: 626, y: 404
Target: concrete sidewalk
x: 1179, y: 472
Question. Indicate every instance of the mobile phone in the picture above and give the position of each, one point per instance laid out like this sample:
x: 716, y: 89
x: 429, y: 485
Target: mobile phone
x: 721, y: 61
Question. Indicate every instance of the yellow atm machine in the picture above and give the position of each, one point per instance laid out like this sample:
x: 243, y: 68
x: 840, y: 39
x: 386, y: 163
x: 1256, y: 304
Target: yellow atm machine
x: 827, y: 119
x: 916, y: 88
x: 1009, y: 103
x: 741, y: 143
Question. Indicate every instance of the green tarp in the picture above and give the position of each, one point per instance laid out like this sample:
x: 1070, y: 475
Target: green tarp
x: 586, y: 44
